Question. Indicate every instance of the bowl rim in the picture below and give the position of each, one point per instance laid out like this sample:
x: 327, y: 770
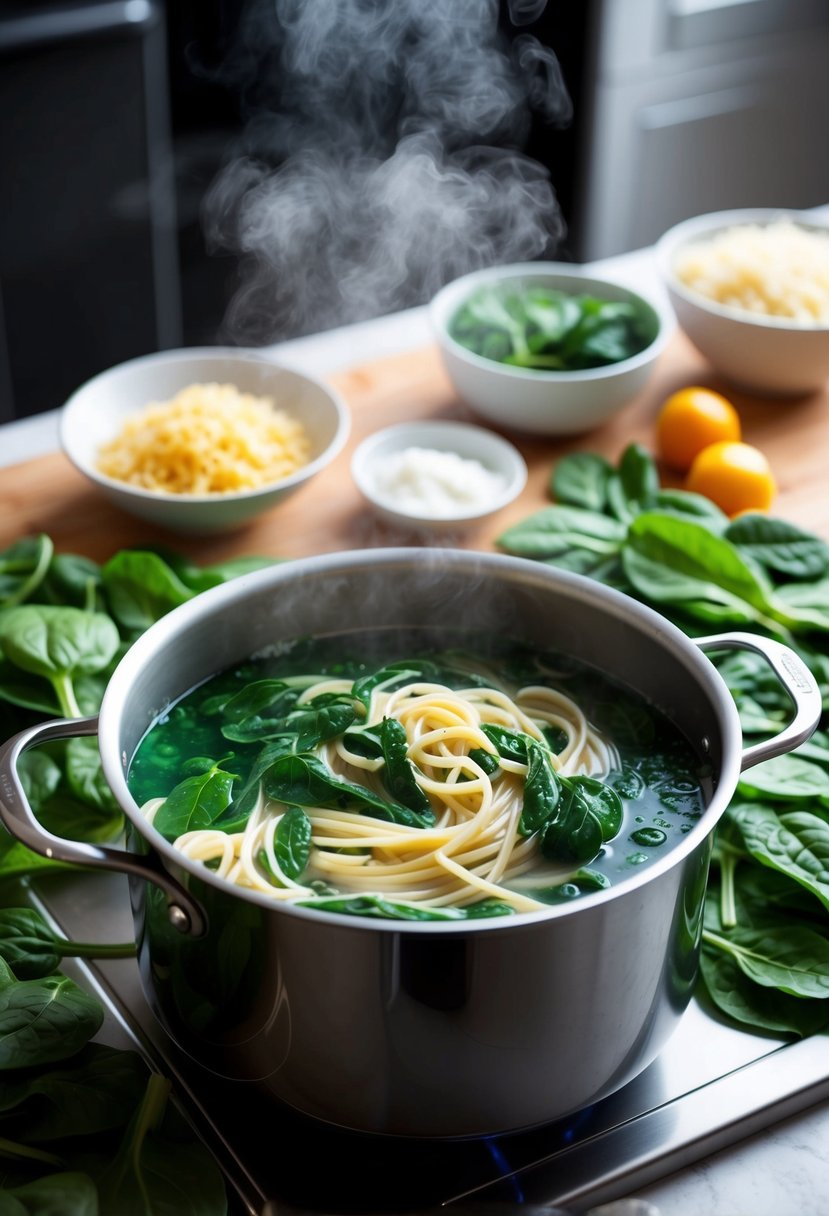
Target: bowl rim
x: 181, y: 356
x: 446, y: 301
x: 510, y: 462
x: 709, y: 224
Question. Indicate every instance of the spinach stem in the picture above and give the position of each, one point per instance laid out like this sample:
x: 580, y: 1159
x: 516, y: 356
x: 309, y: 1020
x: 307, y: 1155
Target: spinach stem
x: 728, y: 903
x: 718, y: 941
x: 70, y: 949
x: 147, y: 1118
x: 65, y: 690
x: 150, y: 1112
x: 11, y: 1148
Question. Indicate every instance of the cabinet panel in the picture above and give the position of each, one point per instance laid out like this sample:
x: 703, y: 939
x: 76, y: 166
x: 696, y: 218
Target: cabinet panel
x: 751, y: 133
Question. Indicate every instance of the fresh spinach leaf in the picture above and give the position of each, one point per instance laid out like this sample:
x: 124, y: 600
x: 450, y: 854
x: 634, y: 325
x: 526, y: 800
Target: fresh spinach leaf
x: 157, y: 1173
x: 538, y: 327
x: 43, y: 1020
x: 634, y: 486
x: 85, y: 776
x: 202, y: 578
x: 72, y: 581
x: 679, y: 561
x: 32, y: 950
x: 69, y: 1193
x: 580, y: 479
x: 96, y: 1091
x: 756, y: 1006
x: 141, y: 588
x: 791, y: 958
x: 23, y: 568
x: 780, y: 546
x: 787, y: 777
x: 795, y: 843
x: 40, y: 776
x: 684, y: 502
x: 554, y: 531
x: 58, y: 643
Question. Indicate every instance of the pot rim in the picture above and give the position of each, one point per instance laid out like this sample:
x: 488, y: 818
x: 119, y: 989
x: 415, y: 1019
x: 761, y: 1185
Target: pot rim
x: 115, y: 704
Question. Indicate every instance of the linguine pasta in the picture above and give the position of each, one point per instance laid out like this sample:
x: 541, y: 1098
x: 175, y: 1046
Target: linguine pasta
x: 475, y: 848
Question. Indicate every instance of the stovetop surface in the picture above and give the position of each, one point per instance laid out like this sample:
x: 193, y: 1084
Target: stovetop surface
x: 711, y: 1086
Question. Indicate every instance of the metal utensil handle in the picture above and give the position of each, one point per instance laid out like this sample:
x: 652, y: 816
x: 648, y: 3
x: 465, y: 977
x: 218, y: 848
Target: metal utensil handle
x: 17, y: 816
x: 795, y: 677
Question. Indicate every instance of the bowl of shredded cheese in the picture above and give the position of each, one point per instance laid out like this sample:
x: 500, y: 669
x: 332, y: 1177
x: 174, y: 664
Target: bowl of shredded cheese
x: 202, y: 439
x: 750, y: 288
x: 436, y: 474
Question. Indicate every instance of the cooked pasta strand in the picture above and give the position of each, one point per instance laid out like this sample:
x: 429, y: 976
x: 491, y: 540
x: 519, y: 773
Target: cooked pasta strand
x: 473, y: 850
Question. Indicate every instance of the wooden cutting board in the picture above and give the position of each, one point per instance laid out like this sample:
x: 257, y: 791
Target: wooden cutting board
x: 48, y: 495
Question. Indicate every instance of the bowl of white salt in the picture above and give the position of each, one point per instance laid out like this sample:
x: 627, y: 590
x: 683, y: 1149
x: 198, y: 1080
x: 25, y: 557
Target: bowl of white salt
x: 437, y: 475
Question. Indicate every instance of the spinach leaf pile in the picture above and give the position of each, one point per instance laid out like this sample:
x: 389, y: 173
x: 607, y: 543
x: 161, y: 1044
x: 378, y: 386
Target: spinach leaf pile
x: 537, y: 327
x: 84, y: 1128
x: 65, y: 622
x: 765, y: 952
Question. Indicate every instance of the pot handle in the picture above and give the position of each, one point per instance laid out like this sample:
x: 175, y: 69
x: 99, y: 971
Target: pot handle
x: 17, y: 816
x: 795, y: 677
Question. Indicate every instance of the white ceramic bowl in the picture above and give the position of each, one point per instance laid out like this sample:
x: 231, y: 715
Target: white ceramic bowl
x: 374, y: 456
x: 772, y: 356
x: 96, y: 412
x: 546, y: 402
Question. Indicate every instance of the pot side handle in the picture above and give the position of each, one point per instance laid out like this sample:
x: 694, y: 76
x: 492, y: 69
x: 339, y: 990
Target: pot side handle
x: 18, y: 818
x: 795, y: 677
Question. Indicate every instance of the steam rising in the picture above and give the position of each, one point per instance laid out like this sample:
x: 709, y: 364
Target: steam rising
x: 381, y: 157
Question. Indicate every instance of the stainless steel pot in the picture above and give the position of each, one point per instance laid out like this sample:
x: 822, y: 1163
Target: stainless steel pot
x: 404, y: 1028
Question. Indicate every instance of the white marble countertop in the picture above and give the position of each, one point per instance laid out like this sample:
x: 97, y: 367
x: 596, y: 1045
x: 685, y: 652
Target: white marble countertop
x: 780, y: 1171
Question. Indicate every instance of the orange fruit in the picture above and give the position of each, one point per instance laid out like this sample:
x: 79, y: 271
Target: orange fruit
x: 735, y: 476
x: 692, y: 419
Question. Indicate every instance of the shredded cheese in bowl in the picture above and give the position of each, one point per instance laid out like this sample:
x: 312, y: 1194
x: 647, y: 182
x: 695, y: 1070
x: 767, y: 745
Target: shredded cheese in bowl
x: 208, y: 439
x: 775, y: 270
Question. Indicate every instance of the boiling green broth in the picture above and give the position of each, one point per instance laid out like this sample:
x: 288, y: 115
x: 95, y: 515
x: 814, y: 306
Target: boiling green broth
x: 661, y: 784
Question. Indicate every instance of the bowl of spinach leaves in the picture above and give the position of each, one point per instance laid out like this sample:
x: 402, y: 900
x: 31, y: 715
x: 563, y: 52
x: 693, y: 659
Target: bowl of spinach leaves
x: 546, y: 347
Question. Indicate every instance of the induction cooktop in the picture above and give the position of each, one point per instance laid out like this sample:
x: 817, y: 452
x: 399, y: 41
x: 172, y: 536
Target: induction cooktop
x: 711, y: 1086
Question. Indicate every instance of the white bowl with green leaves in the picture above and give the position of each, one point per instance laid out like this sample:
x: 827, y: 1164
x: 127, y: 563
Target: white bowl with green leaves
x: 546, y: 347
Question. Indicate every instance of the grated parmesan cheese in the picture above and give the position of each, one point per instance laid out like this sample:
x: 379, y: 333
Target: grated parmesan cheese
x: 436, y: 484
x: 777, y: 270
x: 209, y: 439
